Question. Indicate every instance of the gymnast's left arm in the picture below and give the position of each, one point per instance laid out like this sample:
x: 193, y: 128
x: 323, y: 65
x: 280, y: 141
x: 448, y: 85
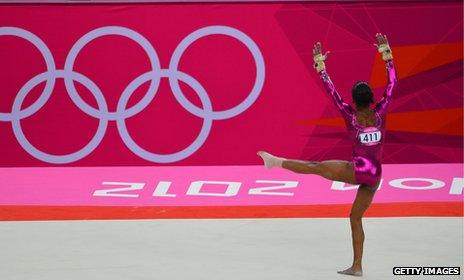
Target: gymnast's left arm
x: 319, y: 65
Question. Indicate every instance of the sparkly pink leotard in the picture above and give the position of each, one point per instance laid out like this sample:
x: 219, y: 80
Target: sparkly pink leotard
x: 368, y: 141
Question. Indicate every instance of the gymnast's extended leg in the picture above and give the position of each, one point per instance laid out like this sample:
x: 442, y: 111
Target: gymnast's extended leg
x: 335, y: 170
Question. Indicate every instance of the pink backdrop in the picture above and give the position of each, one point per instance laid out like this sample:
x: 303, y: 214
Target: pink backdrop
x: 292, y: 116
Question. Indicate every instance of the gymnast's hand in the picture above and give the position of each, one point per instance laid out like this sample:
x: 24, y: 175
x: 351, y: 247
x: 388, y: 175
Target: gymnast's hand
x: 319, y: 58
x: 383, y: 47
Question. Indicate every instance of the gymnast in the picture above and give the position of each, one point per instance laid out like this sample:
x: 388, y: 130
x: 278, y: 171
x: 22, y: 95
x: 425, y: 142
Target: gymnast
x: 366, y: 127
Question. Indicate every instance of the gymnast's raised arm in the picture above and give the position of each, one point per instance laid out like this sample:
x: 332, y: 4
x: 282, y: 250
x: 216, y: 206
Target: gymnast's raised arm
x: 319, y: 64
x: 384, y: 48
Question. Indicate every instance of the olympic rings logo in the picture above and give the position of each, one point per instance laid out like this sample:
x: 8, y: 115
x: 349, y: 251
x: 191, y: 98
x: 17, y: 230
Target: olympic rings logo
x: 122, y: 112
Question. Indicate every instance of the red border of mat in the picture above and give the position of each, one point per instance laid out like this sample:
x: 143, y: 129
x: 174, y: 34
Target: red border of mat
x: 39, y: 213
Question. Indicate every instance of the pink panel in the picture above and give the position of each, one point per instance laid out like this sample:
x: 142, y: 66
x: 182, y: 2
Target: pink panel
x: 225, y: 186
x: 224, y: 67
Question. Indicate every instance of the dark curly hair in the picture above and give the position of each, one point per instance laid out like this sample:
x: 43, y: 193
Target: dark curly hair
x: 362, y: 94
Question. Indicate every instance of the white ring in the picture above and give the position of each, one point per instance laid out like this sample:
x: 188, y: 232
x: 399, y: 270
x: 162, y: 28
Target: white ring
x: 223, y: 30
x: 49, y: 61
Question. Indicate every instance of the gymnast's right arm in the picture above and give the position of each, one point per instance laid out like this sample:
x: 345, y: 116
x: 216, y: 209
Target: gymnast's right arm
x: 384, y: 48
x: 381, y: 106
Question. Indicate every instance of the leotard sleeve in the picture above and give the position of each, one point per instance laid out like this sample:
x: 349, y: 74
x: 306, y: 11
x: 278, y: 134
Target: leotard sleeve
x: 381, y: 106
x: 346, y: 110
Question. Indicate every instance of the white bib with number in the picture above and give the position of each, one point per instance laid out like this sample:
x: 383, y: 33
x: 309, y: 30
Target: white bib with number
x: 370, y: 136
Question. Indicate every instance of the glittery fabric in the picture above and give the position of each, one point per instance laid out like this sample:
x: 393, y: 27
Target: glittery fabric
x: 367, y: 141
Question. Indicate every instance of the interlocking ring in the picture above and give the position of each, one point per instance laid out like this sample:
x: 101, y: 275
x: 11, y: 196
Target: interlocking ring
x: 122, y: 113
x: 49, y: 61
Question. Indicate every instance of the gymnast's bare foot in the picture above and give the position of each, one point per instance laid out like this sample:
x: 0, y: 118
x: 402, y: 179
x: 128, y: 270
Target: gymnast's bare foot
x: 270, y: 160
x: 352, y: 271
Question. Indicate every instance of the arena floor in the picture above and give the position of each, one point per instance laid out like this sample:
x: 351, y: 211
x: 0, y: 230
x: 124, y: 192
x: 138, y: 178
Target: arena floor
x: 294, y: 249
